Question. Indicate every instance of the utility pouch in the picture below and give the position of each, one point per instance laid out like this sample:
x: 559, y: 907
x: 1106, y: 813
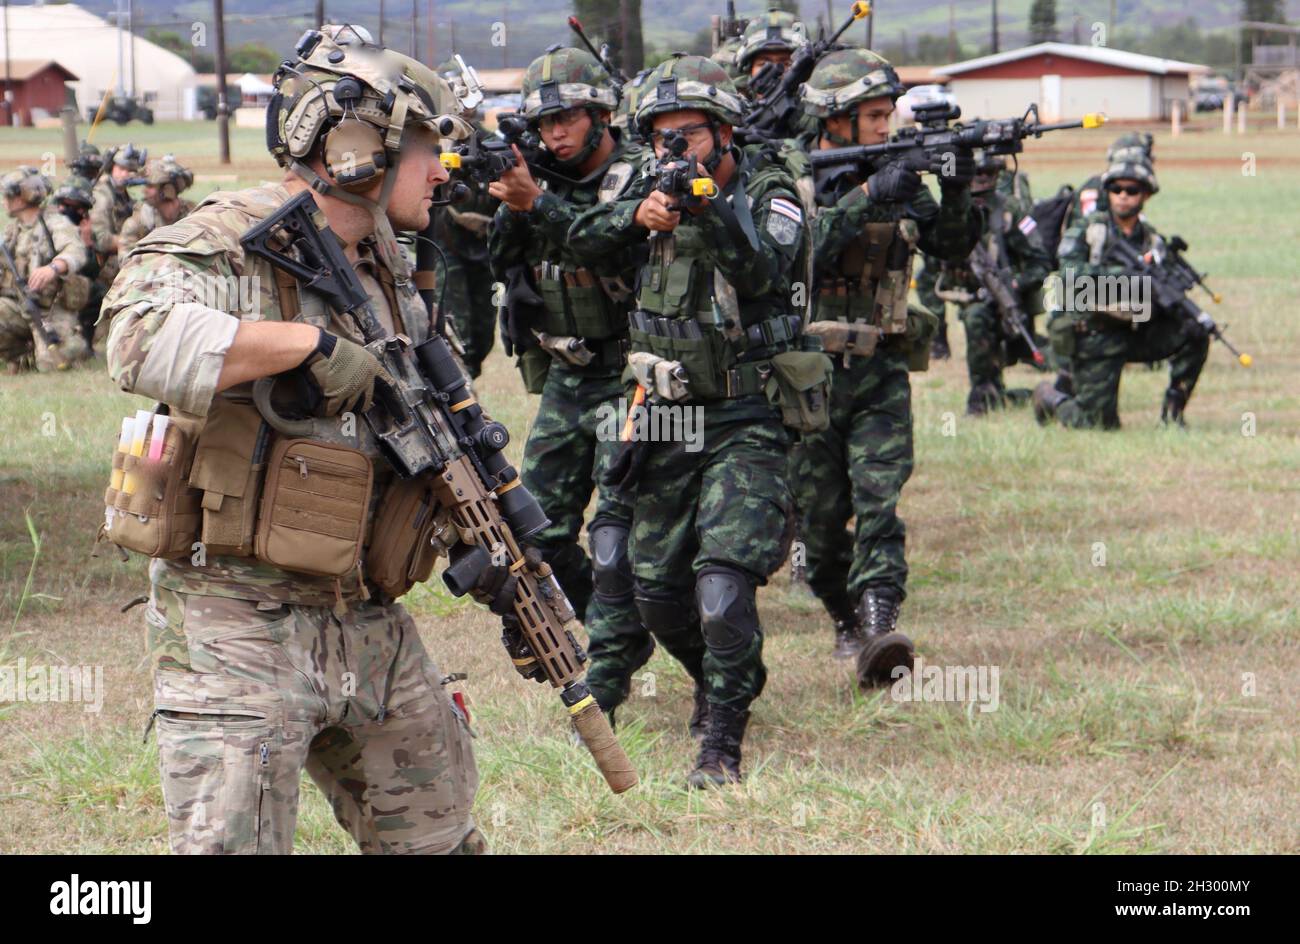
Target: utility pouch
x: 155, y: 512
x: 534, y: 364
x: 922, y: 326
x: 406, y: 538
x: 228, y: 469
x: 314, y: 507
x: 855, y: 338
x: 800, y: 386
x: 75, y: 292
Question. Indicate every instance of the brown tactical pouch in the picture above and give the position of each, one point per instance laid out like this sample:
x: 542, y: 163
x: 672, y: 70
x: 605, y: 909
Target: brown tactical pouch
x: 228, y: 468
x: 160, y: 518
x: 75, y: 292
x: 801, y: 387
x: 314, y: 507
x: 402, y: 551
x: 856, y: 338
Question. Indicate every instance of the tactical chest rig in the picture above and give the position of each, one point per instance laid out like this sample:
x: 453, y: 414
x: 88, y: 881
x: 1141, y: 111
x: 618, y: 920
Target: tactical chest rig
x: 865, y: 300
x: 586, y: 320
x: 688, y: 311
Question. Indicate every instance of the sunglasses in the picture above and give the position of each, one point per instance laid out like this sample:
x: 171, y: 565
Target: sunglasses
x: 1131, y: 191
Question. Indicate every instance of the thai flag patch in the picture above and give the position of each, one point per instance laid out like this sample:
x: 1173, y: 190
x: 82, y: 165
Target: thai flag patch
x: 788, y: 208
x: 1088, y: 201
x: 1027, y: 225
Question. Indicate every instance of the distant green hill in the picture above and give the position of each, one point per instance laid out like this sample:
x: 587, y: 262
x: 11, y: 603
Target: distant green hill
x: 668, y: 24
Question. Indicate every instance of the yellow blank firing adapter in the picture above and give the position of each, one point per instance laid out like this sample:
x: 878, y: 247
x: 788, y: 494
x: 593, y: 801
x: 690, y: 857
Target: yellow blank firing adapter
x: 1094, y: 119
x: 450, y: 160
x: 1245, y: 360
x: 861, y: 9
x: 704, y: 187
x: 1217, y: 297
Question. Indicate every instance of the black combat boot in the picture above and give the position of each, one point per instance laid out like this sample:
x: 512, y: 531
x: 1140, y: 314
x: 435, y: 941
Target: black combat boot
x: 885, y: 649
x: 719, y: 762
x: 1047, y: 397
x: 699, y: 723
x: 848, y: 631
x: 983, y: 398
x: 1171, y: 411
x: 939, y: 349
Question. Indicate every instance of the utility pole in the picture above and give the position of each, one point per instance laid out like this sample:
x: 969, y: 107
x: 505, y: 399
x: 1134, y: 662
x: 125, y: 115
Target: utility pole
x: 952, y: 35
x: 223, y: 107
x: 415, y: 26
x: 432, y: 49
x: 320, y: 13
x: 995, y: 26
x: 381, y: 22
x: 130, y: 32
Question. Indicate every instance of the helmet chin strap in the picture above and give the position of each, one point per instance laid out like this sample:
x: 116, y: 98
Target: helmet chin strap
x: 589, y: 145
x: 386, y: 245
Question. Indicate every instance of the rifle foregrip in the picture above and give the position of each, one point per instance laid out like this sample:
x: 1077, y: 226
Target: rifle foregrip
x: 605, y: 749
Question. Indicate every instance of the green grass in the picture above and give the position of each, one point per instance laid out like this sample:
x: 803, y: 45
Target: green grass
x: 1146, y: 705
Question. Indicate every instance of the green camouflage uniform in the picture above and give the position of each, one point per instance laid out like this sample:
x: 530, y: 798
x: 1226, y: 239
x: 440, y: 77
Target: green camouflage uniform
x: 989, y: 345
x: 461, y: 232
x: 587, y: 295
x: 1099, y: 344
x: 48, y: 237
x: 261, y: 672
x: 857, y: 467
x: 722, y: 512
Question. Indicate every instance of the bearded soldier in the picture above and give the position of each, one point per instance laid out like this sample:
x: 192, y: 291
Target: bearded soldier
x: 566, y: 310
x: 39, y: 301
x: 279, y: 645
x: 714, y: 309
x: 1099, y: 339
x: 165, y: 181
x: 865, y: 233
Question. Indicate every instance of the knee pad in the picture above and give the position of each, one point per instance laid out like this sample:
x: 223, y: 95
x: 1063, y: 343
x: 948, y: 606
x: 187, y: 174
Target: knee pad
x: 728, y: 612
x: 611, y: 570
x: 661, y: 614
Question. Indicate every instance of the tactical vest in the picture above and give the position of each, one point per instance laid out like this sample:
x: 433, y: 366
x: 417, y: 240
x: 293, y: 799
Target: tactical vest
x: 689, y: 312
x: 579, y: 303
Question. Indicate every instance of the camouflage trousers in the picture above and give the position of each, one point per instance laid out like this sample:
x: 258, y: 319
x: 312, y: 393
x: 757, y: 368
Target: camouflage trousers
x: 725, y: 504
x: 1098, y: 360
x: 248, y: 694
x: 574, y: 438
x: 989, y: 348
x: 468, y: 301
x: 857, y: 468
x: 18, y: 342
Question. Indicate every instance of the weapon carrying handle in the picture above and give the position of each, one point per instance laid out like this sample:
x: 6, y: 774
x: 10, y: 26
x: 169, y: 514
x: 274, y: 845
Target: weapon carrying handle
x: 594, y: 729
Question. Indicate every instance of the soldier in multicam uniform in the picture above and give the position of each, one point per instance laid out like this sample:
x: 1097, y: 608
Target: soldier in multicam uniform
x: 1098, y: 343
x: 989, y: 345
x: 714, y: 301
x: 261, y: 670
x: 113, y: 207
x: 575, y: 333
x: 865, y: 232
x: 165, y: 181
x: 49, y: 254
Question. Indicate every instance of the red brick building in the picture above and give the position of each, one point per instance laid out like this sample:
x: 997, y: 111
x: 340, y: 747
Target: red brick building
x: 35, y: 84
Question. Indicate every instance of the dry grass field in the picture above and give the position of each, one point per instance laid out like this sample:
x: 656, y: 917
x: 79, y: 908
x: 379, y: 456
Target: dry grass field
x: 1136, y: 592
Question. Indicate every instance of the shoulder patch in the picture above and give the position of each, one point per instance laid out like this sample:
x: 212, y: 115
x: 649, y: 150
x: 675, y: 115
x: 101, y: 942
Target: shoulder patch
x: 614, y: 181
x: 782, y: 228
x: 1088, y: 200
x: 1027, y: 225
x: 787, y: 208
x: 181, y: 237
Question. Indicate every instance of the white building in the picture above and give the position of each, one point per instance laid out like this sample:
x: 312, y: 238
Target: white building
x: 1067, y: 81
x: 88, y: 46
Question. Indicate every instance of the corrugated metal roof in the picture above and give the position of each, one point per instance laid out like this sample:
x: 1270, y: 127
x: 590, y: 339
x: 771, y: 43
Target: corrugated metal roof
x: 1102, y: 54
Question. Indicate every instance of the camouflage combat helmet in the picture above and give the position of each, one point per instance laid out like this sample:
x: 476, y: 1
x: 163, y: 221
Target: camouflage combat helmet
x: 1124, y: 146
x: 130, y: 157
x: 774, y: 31
x: 1131, y: 170
x: 76, y: 190
x: 725, y: 56
x: 685, y: 82
x: 353, y: 99
x: 845, y: 77
x: 88, y: 161
x: 625, y: 115
x: 28, y: 183
x: 564, y: 78
x: 166, y: 172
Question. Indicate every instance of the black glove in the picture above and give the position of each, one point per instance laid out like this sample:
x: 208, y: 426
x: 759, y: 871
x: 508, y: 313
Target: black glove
x: 522, y: 307
x: 955, y: 168
x: 766, y: 80
x: 471, y: 570
x: 893, y: 183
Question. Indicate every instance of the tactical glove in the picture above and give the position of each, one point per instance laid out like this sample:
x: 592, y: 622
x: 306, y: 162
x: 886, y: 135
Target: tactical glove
x: 955, y: 169
x: 346, y: 374
x: 521, y: 309
x: 893, y: 183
